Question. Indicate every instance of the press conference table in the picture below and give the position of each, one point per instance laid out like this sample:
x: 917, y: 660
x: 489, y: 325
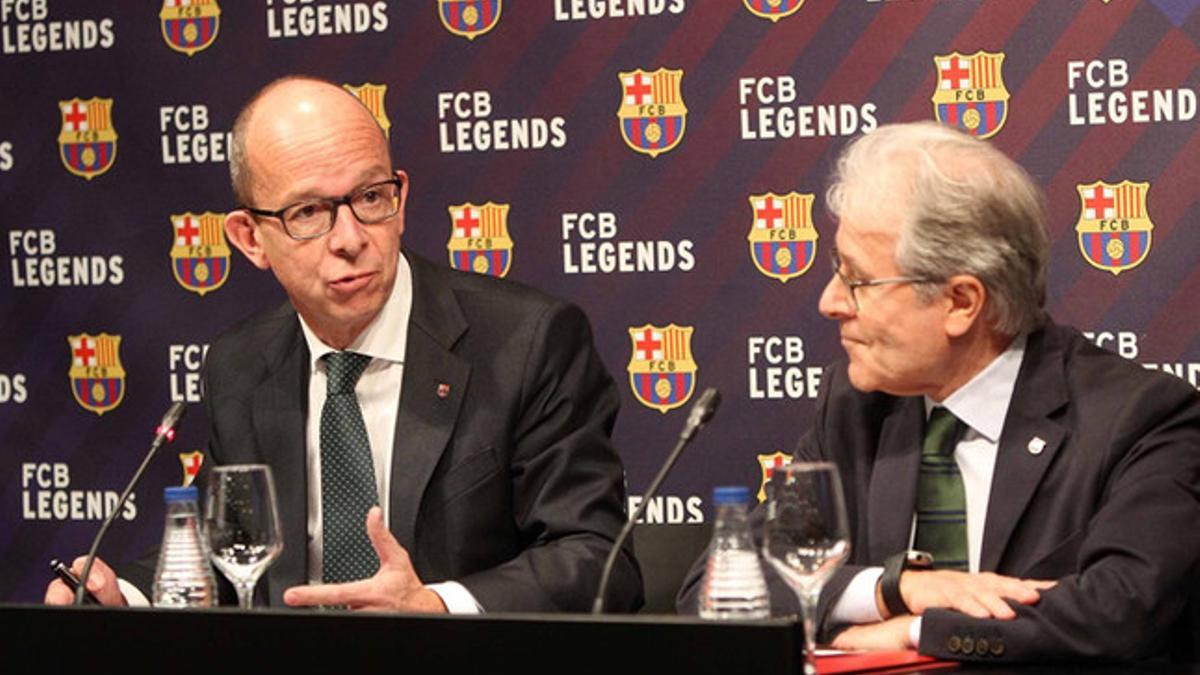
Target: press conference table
x: 231, y: 640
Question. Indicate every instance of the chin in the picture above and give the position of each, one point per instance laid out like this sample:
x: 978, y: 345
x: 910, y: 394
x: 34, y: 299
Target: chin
x: 860, y: 380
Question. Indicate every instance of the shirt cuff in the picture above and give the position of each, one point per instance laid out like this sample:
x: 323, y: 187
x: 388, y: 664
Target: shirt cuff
x: 133, y: 595
x: 914, y: 633
x: 857, y: 603
x: 456, y: 597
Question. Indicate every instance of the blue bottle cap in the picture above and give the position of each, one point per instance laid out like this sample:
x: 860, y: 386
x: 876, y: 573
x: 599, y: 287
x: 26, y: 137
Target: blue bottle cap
x: 180, y: 494
x: 731, y: 494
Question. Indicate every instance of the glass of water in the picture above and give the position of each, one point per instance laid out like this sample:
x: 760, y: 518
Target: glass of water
x: 242, y: 521
x: 806, y: 536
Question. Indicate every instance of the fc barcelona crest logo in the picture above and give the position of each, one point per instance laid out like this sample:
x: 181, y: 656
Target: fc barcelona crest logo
x: 191, y: 461
x: 190, y: 26
x: 199, y: 254
x: 662, y: 371
x: 768, y: 464
x: 783, y: 241
x: 97, y: 377
x: 1114, y: 227
x: 970, y: 93
x: 652, y: 114
x: 773, y: 9
x: 87, y: 142
x: 469, y: 18
x: 479, y: 240
x: 371, y: 96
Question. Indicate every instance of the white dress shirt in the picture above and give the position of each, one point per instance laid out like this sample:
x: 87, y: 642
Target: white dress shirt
x: 982, y: 404
x: 378, y: 390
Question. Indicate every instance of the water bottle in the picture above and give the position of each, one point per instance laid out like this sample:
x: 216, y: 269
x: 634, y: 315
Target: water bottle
x: 184, y: 576
x: 733, y: 586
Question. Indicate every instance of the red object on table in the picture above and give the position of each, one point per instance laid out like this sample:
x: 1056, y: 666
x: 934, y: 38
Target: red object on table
x: 904, y: 661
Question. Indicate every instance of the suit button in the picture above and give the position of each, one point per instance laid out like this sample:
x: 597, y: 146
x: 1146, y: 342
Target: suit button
x: 954, y: 644
x: 998, y: 648
x: 981, y: 647
x: 968, y: 645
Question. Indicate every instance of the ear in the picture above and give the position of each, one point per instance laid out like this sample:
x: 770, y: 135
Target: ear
x: 967, y: 296
x: 242, y: 231
x: 403, y: 195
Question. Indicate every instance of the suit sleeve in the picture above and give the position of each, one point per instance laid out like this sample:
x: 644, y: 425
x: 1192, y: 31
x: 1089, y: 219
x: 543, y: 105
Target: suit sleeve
x: 1133, y: 563
x: 568, y: 482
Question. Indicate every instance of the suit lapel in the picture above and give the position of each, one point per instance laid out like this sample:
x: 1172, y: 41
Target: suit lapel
x: 279, y: 408
x: 435, y: 381
x: 1028, y: 442
x: 893, y: 488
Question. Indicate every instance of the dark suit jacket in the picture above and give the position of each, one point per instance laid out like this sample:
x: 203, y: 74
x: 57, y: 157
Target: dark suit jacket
x: 1110, y: 508
x: 508, y: 485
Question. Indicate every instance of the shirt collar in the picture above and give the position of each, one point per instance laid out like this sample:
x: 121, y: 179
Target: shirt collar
x: 386, y: 337
x: 982, y: 403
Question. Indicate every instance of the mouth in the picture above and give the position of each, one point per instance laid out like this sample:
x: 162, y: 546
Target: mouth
x: 351, y: 282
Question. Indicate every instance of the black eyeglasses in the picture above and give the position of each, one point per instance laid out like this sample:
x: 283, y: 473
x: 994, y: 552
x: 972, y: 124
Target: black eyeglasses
x: 312, y: 218
x: 852, y: 285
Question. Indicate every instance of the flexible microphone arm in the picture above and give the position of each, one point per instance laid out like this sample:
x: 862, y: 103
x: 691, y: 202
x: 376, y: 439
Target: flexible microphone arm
x: 165, y: 433
x: 702, y: 411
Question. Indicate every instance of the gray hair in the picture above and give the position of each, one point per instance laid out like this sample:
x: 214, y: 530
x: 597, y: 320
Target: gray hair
x: 966, y: 208
x: 239, y: 162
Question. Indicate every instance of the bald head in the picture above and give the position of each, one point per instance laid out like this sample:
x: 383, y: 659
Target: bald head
x: 284, y: 112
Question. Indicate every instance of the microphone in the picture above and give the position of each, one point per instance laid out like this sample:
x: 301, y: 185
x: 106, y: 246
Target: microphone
x: 164, y: 433
x: 702, y: 411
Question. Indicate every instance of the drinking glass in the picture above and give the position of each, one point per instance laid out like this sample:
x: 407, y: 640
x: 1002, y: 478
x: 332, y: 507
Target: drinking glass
x: 806, y: 536
x: 242, y: 520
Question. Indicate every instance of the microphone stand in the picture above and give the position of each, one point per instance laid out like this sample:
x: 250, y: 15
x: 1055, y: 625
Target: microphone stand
x: 165, y: 433
x: 701, y: 412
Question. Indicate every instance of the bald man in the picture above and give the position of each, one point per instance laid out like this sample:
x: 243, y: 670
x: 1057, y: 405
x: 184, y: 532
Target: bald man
x: 472, y: 469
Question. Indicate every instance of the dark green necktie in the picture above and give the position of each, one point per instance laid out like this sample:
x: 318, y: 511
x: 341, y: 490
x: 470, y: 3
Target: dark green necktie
x: 941, y: 499
x: 347, y: 474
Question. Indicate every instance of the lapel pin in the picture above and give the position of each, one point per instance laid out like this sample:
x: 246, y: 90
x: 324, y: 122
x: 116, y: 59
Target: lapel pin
x: 1036, y: 446
x: 443, y: 390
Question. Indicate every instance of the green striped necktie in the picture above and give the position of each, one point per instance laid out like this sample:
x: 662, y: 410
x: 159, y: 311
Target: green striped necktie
x: 941, y: 499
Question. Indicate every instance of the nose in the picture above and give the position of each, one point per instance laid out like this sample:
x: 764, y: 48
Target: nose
x: 835, y: 302
x: 348, y: 236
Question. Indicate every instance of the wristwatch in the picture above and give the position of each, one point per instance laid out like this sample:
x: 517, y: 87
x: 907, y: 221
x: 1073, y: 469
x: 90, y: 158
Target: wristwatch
x: 889, y: 583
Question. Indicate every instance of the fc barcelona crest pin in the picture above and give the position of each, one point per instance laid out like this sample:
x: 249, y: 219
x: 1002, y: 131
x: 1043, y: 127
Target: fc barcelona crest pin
x: 783, y: 241
x: 189, y: 26
x: 199, y: 253
x: 87, y: 142
x: 773, y: 9
x: 652, y: 115
x: 469, y: 18
x: 970, y: 93
x: 1114, y: 227
x: 479, y: 240
x: 97, y: 377
x: 662, y: 372
x: 371, y: 96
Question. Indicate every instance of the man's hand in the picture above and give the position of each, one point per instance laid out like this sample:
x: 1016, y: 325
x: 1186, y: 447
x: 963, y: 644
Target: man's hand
x: 102, y: 582
x: 395, y: 587
x: 979, y: 595
x: 888, y: 635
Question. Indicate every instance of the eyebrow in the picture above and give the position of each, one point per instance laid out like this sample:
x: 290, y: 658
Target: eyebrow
x: 365, y: 179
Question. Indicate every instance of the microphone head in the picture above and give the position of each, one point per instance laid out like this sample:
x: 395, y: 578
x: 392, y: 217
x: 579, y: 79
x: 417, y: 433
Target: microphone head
x: 704, y: 408
x: 171, y: 418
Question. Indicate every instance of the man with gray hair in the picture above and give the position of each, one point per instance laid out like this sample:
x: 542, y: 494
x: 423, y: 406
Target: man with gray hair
x: 1014, y: 492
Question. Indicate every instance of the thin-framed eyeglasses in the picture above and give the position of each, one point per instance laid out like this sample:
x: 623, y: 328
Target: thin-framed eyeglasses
x: 852, y: 285
x: 312, y: 218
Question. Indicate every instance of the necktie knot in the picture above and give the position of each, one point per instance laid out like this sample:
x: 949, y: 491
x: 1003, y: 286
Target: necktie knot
x: 941, y: 432
x: 343, y: 369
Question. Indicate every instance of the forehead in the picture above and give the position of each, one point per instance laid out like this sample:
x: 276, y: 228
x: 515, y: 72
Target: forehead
x: 314, y: 142
x: 868, y: 242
